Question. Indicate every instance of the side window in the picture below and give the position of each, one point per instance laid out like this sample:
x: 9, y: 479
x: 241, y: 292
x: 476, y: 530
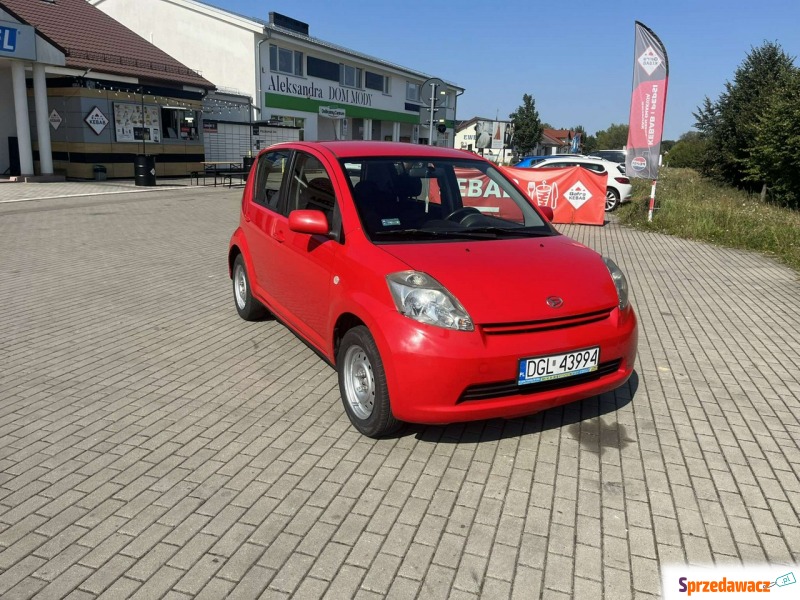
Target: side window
x: 270, y: 178
x: 311, y: 187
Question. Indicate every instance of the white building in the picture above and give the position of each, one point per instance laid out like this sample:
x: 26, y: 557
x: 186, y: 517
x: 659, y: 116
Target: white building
x: 489, y: 138
x: 322, y: 90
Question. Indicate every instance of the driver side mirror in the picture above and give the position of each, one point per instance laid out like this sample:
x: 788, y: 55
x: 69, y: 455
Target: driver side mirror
x: 547, y: 212
x: 312, y: 222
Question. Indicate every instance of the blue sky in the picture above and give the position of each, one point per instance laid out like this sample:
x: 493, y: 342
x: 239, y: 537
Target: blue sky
x: 574, y: 57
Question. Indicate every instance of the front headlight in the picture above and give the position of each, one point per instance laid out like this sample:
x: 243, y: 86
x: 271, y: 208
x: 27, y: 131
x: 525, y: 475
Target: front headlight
x: 619, y: 281
x: 420, y: 297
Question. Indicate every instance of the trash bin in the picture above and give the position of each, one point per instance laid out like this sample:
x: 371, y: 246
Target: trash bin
x: 247, y: 163
x: 100, y: 173
x: 144, y: 169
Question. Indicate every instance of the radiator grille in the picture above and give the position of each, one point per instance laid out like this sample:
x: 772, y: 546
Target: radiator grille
x: 545, y: 324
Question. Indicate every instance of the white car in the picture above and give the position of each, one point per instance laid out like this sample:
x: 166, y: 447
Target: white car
x: 618, y: 186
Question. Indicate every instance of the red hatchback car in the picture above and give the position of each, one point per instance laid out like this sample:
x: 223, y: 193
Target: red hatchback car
x: 430, y: 281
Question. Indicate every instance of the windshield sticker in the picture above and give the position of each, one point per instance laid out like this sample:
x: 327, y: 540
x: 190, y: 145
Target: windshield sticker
x: 390, y: 222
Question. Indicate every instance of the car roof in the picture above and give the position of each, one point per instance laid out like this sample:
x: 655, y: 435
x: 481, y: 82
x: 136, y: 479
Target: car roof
x: 573, y: 157
x: 364, y: 148
x: 586, y: 160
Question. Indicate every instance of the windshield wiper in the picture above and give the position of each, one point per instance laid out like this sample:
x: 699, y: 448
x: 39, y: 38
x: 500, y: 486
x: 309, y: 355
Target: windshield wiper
x: 437, y: 233
x: 512, y: 231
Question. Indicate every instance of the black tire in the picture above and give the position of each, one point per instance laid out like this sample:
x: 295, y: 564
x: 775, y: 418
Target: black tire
x: 612, y: 199
x: 248, y: 307
x: 362, y: 384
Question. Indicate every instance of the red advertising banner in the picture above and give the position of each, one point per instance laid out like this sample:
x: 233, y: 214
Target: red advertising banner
x: 648, y: 102
x: 575, y: 194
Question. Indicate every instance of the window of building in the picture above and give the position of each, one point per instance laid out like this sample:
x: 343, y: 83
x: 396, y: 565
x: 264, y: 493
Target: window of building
x: 179, y: 124
x: 412, y: 91
x: 324, y: 69
x: 378, y: 82
x: 285, y: 61
x: 350, y: 76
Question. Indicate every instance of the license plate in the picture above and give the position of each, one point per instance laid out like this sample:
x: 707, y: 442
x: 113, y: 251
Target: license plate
x: 558, y: 366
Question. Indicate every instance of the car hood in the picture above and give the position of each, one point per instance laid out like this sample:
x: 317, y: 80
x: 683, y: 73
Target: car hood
x: 509, y: 281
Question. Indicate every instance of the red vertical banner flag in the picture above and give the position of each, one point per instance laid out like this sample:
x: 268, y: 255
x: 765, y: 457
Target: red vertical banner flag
x: 648, y: 102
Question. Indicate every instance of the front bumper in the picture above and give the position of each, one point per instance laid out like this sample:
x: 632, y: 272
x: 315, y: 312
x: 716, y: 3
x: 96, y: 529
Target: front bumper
x: 442, y: 376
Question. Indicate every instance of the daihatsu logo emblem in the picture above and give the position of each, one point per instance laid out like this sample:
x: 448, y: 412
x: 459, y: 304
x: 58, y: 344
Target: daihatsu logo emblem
x: 554, y: 302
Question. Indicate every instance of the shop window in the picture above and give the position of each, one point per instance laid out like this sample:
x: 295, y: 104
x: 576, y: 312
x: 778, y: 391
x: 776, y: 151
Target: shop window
x: 324, y: 69
x: 350, y: 76
x: 285, y: 61
x: 412, y: 91
x: 374, y: 81
x: 179, y: 124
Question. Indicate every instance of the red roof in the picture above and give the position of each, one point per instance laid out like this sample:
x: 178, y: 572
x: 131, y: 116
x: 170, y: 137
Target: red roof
x: 92, y: 39
x: 562, y: 135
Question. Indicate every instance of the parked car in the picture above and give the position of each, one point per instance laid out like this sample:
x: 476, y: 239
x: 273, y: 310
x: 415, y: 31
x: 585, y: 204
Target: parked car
x: 618, y: 185
x: 529, y: 161
x: 430, y: 281
x: 615, y: 156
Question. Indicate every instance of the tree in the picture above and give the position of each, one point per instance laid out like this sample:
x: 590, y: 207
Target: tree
x: 689, y: 151
x: 775, y: 151
x: 732, y: 122
x: 527, y: 126
x: 666, y: 145
x: 616, y: 136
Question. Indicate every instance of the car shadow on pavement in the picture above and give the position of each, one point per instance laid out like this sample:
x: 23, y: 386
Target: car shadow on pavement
x: 582, y: 420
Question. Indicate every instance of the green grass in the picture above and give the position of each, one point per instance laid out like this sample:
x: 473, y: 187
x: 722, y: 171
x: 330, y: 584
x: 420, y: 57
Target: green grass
x: 692, y: 207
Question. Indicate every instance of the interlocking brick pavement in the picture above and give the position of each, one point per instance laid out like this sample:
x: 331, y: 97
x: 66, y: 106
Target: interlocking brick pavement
x: 153, y: 445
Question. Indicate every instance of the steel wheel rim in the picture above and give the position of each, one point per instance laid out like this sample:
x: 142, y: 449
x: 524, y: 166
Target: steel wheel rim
x: 359, y: 382
x: 240, y: 287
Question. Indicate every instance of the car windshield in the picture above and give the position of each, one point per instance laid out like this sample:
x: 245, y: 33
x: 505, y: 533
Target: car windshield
x: 411, y: 199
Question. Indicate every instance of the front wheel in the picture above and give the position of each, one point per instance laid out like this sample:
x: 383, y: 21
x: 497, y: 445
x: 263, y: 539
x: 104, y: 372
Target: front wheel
x: 248, y: 307
x: 362, y: 384
x: 612, y: 199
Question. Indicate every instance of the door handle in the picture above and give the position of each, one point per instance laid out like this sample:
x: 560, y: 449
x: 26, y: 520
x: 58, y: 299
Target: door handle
x: 279, y: 235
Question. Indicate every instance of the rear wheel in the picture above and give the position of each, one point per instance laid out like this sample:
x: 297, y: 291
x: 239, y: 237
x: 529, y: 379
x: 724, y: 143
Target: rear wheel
x: 248, y: 307
x: 362, y: 384
x: 612, y: 199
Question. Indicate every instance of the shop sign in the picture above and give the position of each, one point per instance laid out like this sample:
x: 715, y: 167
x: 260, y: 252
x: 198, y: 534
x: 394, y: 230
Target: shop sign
x: 96, y: 120
x: 55, y: 119
x: 284, y: 85
x: 332, y: 113
x: 210, y: 126
x: 17, y: 40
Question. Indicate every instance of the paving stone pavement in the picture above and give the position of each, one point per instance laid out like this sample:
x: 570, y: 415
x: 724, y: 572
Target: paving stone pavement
x: 153, y: 445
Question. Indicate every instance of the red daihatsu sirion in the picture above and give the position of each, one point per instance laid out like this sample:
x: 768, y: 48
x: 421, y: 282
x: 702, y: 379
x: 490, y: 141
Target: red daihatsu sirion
x: 430, y: 281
